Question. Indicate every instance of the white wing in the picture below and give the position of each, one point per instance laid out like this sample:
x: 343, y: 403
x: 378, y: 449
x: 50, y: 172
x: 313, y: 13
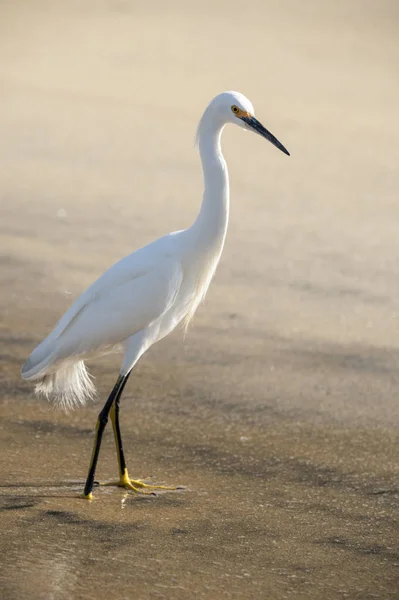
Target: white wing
x: 128, y: 297
x: 129, y: 268
x: 118, y: 312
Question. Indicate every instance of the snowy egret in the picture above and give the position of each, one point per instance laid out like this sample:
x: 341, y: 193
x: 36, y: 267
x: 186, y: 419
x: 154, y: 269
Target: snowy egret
x: 147, y: 294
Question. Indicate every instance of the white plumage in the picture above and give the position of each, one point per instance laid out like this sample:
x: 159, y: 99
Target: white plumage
x: 146, y: 295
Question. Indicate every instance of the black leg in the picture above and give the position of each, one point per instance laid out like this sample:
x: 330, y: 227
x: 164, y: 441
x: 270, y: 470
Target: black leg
x: 117, y: 431
x: 101, y: 423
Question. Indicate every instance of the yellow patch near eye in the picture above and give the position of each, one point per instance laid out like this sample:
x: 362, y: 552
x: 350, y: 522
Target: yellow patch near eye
x: 240, y: 113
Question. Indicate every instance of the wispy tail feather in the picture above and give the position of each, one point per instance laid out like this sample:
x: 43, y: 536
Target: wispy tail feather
x: 69, y: 387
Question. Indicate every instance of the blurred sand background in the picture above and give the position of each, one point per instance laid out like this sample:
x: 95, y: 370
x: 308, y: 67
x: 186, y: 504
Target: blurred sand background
x: 279, y: 410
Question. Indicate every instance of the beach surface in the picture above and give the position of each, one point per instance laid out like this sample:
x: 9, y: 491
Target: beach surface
x: 278, y: 409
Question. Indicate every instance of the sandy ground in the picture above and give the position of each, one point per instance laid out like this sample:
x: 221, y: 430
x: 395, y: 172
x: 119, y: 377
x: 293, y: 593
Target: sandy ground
x: 279, y: 410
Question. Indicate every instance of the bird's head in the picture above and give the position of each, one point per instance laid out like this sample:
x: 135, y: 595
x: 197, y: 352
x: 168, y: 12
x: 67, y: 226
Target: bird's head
x: 233, y: 107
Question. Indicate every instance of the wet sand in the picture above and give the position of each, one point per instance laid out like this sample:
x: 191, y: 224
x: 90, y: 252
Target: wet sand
x: 279, y: 408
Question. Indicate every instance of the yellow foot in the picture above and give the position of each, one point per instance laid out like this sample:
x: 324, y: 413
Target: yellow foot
x: 136, y: 485
x: 88, y: 496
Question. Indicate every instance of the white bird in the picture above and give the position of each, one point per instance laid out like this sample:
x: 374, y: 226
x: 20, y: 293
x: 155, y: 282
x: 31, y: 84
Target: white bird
x: 147, y: 294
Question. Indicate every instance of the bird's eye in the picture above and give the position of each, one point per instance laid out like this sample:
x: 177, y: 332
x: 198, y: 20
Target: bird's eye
x: 235, y: 109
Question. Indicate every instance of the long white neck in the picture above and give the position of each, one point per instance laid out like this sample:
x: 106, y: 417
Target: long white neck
x: 209, y: 229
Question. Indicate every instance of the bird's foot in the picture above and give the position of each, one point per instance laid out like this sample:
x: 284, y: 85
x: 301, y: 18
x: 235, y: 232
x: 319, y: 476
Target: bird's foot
x: 88, y: 496
x: 137, y: 485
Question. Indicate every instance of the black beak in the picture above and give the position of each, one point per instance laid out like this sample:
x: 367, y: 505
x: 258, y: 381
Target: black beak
x: 258, y: 127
